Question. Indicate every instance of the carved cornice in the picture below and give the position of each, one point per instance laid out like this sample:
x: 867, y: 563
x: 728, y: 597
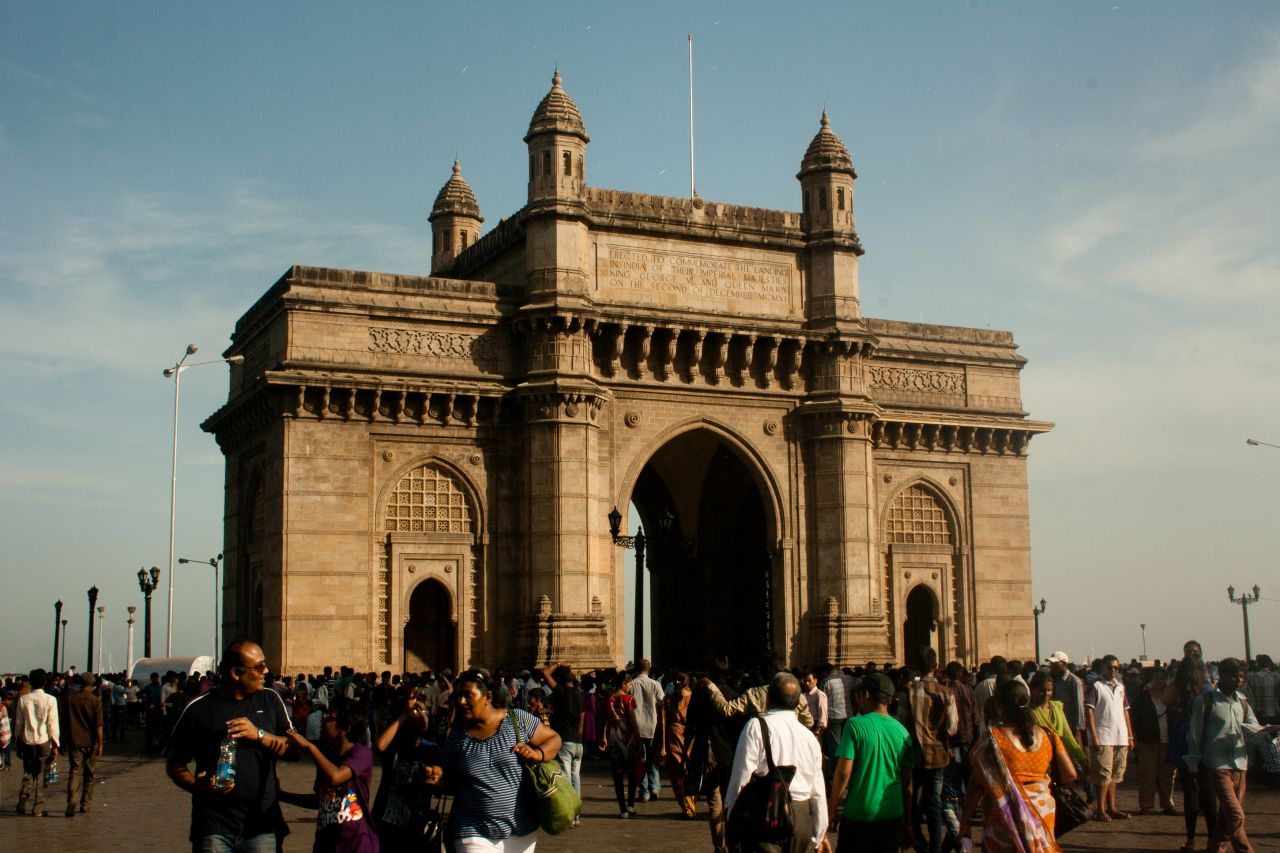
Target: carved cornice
x: 556, y: 402
x: 984, y: 439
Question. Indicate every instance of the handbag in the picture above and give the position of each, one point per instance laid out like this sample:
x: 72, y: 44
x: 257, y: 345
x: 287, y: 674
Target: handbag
x: 558, y: 803
x: 763, y: 812
x: 1070, y: 809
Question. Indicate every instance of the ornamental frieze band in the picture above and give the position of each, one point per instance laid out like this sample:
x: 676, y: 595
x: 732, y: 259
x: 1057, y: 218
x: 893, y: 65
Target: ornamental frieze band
x: 912, y: 379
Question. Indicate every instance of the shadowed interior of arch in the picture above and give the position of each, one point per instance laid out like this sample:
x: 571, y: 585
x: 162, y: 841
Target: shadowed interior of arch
x: 708, y: 556
x: 429, y: 636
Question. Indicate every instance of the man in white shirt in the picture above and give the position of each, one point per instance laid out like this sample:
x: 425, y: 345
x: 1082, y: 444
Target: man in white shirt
x: 35, y: 727
x: 791, y: 744
x: 1106, y: 711
x: 648, y: 695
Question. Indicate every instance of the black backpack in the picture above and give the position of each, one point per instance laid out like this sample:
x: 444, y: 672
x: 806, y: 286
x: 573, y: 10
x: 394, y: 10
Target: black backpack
x: 763, y: 811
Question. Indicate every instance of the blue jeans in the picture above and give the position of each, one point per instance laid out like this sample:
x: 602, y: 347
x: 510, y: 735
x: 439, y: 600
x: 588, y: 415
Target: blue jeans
x: 651, y: 782
x: 571, y: 760
x: 928, y: 784
x: 264, y: 843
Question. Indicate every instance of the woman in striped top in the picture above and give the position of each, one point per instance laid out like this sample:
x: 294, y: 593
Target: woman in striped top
x: 493, y: 806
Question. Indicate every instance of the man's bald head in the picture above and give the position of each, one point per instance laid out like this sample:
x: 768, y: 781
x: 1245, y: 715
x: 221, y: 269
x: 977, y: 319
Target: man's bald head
x: 784, y: 691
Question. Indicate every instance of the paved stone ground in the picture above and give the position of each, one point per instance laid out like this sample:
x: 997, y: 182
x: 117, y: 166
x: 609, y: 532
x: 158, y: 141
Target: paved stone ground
x: 136, y: 808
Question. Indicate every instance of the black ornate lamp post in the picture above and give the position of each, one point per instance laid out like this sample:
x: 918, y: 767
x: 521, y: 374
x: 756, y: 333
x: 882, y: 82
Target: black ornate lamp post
x: 63, y: 666
x: 148, y: 583
x: 636, y: 542
x: 1244, y: 601
x: 217, y: 590
x: 1143, y: 626
x: 57, y: 635
x: 93, y: 602
x: 1037, y: 610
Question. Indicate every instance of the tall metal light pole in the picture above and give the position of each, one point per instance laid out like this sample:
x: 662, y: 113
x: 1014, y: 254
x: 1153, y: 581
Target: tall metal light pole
x: 1037, y: 611
x: 101, y: 612
x: 57, y: 629
x: 93, y: 600
x: 128, y: 663
x: 1253, y: 442
x: 63, y: 666
x: 217, y: 591
x: 1143, y: 626
x: 148, y: 583
x: 1244, y: 601
x: 636, y: 542
x: 176, y: 373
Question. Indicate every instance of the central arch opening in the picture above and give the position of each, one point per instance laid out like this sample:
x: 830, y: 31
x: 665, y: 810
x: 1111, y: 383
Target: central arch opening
x: 429, y: 635
x: 708, y: 560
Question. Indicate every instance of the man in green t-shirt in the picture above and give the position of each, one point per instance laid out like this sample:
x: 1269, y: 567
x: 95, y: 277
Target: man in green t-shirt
x: 873, y: 767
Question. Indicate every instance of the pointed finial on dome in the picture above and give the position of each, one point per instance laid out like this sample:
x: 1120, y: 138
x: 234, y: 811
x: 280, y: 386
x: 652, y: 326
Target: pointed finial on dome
x: 826, y: 122
x: 457, y: 167
x: 555, y: 77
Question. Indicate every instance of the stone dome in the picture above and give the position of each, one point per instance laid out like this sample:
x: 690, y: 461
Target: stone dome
x: 456, y: 198
x: 826, y: 152
x: 557, y: 113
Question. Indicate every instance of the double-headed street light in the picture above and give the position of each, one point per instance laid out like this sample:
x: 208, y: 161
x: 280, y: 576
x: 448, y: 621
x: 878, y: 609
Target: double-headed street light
x: 217, y: 590
x: 1244, y: 601
x: 176, y: 373
x: 147, y: 583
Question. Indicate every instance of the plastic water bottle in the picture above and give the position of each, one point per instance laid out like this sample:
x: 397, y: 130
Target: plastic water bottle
x: 51, y: 775
x: 225, y: 775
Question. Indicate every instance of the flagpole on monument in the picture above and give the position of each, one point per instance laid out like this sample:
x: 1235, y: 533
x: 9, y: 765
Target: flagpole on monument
x: 693, y: 187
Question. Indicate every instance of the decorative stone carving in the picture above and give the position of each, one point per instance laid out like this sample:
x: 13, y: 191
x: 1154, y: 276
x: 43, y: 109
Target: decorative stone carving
x: 771, y: 427
x: 437, y: 344
x: 913, y: 379
x: 632, y: 419
x: 388, y: 455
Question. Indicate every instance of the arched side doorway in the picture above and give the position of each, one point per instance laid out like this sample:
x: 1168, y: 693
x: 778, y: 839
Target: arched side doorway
x: 430, y: 539
x: 924, y: 558
x: 710, y: 561
x: 430, y: 635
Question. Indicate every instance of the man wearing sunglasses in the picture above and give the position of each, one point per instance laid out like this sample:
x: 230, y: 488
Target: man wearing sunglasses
x: 243, y: 817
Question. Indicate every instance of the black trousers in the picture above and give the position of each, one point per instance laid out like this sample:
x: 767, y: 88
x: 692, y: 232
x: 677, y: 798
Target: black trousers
x: 875, y: 836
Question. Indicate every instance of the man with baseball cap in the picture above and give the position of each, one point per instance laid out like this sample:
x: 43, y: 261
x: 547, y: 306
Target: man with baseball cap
x: 871, y: 789
x: 1068, y: 690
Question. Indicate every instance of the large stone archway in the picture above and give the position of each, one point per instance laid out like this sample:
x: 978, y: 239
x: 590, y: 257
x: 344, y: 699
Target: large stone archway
x: 598, y: 347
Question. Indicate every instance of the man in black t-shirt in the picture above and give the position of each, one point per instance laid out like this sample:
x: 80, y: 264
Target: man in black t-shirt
x: 566, y: 721
x: 244, y: 816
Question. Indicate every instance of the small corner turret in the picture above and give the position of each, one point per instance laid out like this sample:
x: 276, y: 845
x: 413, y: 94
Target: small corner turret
x: 826, y: 185
x: 557, y: 141
x: 455, y: 221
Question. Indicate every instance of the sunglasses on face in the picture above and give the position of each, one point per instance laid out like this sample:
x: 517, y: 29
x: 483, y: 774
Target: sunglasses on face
x: 259, y: 668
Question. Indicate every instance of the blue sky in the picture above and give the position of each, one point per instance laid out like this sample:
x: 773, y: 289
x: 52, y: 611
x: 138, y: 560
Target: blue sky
x: 1099, y: 178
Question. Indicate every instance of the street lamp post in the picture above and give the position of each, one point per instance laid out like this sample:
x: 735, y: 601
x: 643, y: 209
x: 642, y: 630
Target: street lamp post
x: 1143, y: 626
x: 57, y: 635
x: 1037, y: 610
x: 128, y: 663
x: 147, y: 583
x: 176, y: 373
x: 636, y: 542
x: 217, y: 591
x: 101, y: 612
x: 93, y: 600
x: 1253, y: 442
x: 63, y: 666
x: 1244, y: 601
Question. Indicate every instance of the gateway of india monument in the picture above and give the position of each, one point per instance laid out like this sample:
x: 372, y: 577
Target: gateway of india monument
x: 421, y: 470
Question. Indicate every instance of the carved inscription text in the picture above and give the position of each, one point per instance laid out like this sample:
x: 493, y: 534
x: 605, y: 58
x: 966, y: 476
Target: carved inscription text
x: 435, y: 344
x: 698, y: 275
x: 911, y: 379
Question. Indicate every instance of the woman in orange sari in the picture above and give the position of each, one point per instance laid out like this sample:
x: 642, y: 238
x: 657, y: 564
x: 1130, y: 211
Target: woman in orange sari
x: 1011, y: 770
x: 677, y: 716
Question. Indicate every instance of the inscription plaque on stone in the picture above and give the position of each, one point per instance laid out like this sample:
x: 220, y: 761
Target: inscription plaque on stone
x: 684, y: 280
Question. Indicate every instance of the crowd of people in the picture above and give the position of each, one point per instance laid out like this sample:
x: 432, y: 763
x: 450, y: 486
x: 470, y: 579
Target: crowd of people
x: 874, y: 758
